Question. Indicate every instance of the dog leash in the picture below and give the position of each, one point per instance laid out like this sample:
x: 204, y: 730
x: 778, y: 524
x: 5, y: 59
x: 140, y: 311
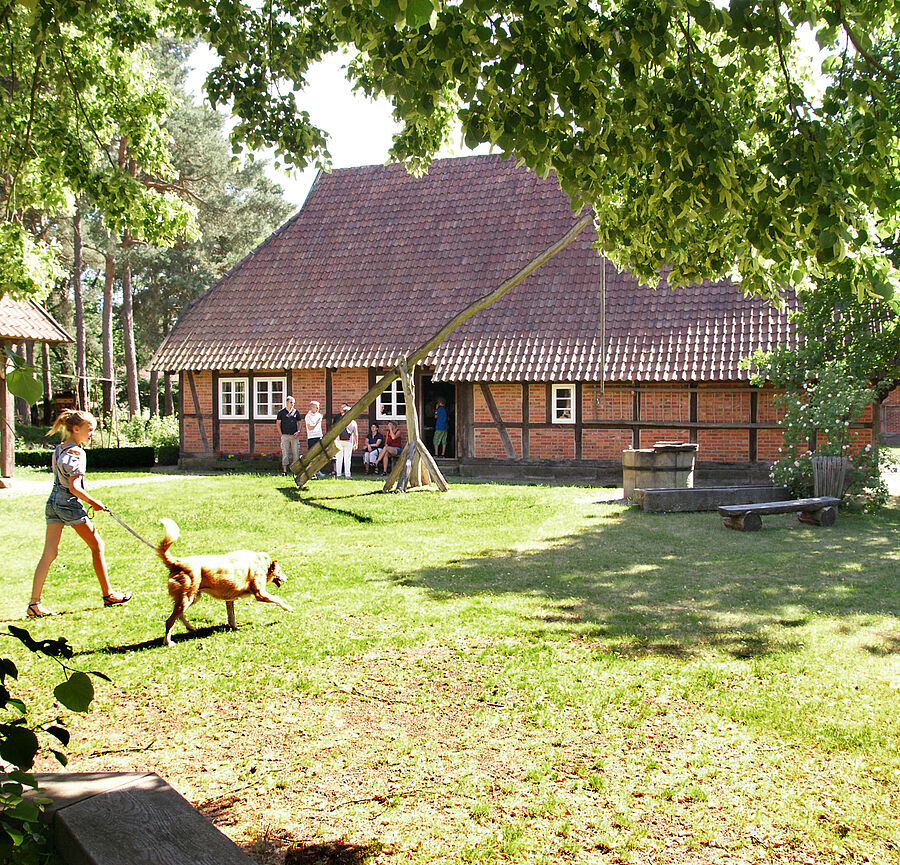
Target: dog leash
x: 128, y: 528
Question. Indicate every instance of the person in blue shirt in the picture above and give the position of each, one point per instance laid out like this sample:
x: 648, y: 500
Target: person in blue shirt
x: 441, y: 426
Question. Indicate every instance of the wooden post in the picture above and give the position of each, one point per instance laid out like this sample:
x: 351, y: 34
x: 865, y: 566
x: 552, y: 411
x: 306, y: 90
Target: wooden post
x: 415, y: 467
x: 7, y: 427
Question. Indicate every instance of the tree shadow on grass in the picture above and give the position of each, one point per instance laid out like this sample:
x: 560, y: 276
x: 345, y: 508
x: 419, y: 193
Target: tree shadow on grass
x: 321, y: 502
x: 679, y: 584
x: 332, y: 853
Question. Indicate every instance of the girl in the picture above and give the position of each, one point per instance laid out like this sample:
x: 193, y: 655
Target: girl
x: 391, y: 449
x: 65, y: 508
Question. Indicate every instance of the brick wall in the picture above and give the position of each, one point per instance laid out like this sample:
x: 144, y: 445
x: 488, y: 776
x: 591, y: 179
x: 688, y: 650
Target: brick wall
x: 650, y: 437
x: 347, y: 386
x: 723, y: 406
x: 766, y: 412
x: 614, y: 404
x: 890, y: 413
x: 508, y: 398
x: 665, y: 405
x: 549, y: 444
x: 234, y: 436
x: 306, y: 385
x: 266, y: 439
x: 723, y: 445
x: 606, y: 444
x: 715, y: 405
x: 488, y: 444
x: 193, y: 442
x: 768, y: 441
x: 537, y: 402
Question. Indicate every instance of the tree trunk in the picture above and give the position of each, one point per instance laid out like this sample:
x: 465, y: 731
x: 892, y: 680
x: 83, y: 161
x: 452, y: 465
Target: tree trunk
x: 21, y: 409
x: 109, y: 369
x: 48, y: 384
x: 29, y: 359
x: 153, y: 398
x: 318, y: 456
x: 168, y: 400
x: 131, y: 370
x: 81, y: 389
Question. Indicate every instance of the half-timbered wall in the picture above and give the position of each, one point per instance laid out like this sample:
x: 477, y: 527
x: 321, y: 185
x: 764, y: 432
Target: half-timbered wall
x: 513, y: 421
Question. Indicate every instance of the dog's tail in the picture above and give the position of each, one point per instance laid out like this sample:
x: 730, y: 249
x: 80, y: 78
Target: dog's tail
x: 171, y: 535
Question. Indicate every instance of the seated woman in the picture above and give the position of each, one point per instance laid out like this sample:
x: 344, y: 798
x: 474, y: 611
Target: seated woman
x: 391, y: 448
x: 374, y: 444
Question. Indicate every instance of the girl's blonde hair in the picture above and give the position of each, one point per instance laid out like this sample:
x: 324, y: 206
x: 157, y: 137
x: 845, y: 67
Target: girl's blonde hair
x: 69, y: 418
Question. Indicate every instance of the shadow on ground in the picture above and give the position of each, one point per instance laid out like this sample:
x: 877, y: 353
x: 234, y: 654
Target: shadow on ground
x: 675, y: 584
x: 332, y: 853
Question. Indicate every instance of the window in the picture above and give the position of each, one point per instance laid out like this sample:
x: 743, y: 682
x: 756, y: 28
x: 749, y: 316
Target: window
x: 233, y: 398
x: 392, y: 403
x: 562, y: 408
x: 269, y: 398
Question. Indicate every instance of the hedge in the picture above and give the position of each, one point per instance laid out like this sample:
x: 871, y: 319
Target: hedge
x: 98, y: 458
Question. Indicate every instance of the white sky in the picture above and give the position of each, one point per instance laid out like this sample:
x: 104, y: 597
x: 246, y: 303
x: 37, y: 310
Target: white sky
x: 359, y: 129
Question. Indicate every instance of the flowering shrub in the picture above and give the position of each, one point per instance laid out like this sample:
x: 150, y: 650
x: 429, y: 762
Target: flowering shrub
x: 817, y: 413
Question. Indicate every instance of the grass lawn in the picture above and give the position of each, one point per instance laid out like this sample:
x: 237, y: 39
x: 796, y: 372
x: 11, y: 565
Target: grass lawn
x: 504, y: 673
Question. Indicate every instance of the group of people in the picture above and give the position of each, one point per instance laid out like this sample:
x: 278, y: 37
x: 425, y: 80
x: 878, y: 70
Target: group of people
x: 378, y: 448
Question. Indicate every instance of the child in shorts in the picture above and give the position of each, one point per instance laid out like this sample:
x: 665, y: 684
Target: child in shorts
x: 65, y: 508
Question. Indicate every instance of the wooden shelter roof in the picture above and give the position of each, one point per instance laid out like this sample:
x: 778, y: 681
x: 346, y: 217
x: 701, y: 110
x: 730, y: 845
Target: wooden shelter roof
x: 27, y: 321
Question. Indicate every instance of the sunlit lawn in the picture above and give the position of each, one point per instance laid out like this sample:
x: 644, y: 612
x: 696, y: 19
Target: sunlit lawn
x: 501, y: 673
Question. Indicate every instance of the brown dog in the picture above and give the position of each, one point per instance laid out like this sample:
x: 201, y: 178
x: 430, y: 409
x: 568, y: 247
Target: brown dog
x: 227, y: 576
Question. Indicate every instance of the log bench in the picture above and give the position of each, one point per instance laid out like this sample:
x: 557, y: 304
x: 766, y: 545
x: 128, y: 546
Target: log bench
x: 821, y: 511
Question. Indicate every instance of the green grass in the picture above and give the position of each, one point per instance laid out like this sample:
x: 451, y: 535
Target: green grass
x: 502, y: 673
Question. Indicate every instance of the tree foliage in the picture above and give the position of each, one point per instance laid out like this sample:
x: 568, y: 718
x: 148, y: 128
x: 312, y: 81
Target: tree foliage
x: 75, y: 82
x: 685, y: 125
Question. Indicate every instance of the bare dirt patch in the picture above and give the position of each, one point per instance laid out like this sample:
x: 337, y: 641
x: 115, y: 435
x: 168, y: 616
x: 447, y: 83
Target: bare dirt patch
x: 421, y: 756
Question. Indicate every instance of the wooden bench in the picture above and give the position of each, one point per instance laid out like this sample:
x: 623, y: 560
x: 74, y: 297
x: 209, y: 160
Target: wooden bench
x: 821, y: 511
x: 130, y: 818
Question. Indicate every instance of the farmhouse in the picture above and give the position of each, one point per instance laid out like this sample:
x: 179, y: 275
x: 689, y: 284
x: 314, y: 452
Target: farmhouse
x: 549, y: 379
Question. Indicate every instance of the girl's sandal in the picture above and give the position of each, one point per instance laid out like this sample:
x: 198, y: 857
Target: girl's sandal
x: 114, y: 598
x: 37, y: 611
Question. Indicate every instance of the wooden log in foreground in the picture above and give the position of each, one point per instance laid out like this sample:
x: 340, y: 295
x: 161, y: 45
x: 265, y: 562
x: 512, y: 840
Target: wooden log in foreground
x: 316, y: 458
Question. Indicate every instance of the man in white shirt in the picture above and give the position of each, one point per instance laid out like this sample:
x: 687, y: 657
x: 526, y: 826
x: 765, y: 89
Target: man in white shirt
x: 347, y: 443
x: 314, y: 428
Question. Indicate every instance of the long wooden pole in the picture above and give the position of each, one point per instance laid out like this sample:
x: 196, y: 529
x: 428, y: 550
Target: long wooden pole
x: 317, y: 457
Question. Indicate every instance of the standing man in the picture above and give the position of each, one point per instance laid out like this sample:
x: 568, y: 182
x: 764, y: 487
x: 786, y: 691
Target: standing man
x: 314, y: 432
x: 287, y: 422
x: 346, y: 442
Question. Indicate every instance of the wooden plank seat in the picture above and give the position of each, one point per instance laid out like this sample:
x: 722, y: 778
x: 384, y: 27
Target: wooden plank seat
x: 820, y: 511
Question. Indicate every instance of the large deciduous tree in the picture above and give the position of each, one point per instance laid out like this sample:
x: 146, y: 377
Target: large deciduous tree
x: 74, y: 79
x: 686, y: 125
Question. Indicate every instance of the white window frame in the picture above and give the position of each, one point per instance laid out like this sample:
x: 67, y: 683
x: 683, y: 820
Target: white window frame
x: 229, y: 383
x: 392, y: 398
x: 275, y: 405
x: 555, y: 415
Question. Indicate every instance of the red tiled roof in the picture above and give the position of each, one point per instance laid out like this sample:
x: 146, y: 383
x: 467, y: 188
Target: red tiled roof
x: 26, y: 320
x: 377, y: 261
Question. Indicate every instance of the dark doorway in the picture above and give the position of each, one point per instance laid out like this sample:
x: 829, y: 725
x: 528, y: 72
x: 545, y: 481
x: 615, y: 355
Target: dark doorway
x: 431, y: 392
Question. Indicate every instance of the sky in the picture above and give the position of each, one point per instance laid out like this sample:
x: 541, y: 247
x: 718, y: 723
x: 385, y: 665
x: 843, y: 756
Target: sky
x: 359, y: 129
